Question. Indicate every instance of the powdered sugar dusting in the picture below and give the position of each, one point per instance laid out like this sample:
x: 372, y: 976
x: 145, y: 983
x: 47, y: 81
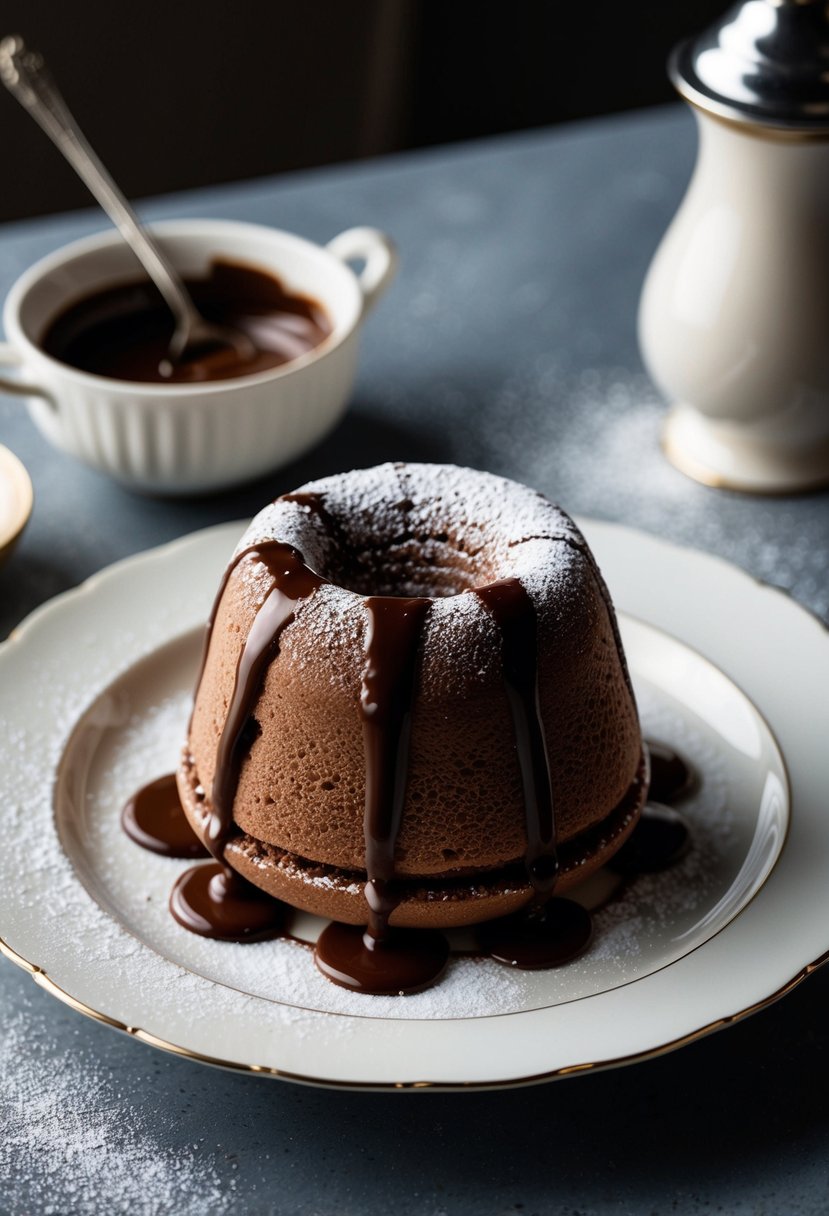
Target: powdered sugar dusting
x: 479, y: 504
x: 75, y: 1153
x: 503, y: 527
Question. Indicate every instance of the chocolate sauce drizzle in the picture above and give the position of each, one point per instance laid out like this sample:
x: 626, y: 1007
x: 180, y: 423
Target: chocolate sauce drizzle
x: 292, y: 581
x: 551, y: 931
x: 386, y: 697
x: 514, y: 614
x: 381, y: 959
x: 215, y: 901
x: 211, y: 620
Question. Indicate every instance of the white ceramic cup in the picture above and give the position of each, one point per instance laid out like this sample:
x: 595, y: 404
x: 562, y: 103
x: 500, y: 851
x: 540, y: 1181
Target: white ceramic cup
x: 189, y: 438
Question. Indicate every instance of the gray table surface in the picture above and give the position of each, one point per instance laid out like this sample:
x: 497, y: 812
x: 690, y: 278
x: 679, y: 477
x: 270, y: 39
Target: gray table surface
x: 508, y: 343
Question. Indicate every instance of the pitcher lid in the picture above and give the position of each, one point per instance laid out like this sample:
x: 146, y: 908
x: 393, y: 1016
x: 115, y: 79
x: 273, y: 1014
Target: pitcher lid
x: 764, y: 62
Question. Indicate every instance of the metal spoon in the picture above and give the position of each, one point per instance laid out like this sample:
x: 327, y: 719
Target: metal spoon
x: 25, y: 75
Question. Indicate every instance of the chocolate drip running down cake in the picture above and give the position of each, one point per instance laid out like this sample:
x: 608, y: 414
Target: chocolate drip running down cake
x: 413, y: 709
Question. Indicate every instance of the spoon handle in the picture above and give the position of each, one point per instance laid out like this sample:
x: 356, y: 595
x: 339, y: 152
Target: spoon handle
x: 25, y: 75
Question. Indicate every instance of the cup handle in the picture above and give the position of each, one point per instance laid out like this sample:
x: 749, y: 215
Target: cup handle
x: 9, y: 357
x: 376, y: 251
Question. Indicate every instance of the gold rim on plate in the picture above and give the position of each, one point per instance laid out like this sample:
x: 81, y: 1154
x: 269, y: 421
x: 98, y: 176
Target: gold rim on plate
x: 41, y: 978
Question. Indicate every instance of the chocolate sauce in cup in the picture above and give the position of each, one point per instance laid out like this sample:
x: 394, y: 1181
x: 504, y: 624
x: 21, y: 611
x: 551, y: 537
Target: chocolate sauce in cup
x: 124, y: 332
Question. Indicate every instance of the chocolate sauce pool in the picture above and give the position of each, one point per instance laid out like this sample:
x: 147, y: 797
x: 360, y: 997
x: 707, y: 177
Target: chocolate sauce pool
x: 124, y: 332
x: 215, y: 901
x: 671, y: 777
x: 544, y: 936
x: 660, y: 839
x: 212, y: 900
x: 154, y: 818
x: 403, y: 960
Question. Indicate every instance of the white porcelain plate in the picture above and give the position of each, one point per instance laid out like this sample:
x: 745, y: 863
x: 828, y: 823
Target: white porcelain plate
x: 94, y: 692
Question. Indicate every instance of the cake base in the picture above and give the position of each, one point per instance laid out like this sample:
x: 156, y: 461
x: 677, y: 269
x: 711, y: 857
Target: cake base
x: 445, y: 902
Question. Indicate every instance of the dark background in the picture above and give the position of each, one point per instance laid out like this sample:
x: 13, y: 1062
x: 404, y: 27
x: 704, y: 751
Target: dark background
x: 189, y: 92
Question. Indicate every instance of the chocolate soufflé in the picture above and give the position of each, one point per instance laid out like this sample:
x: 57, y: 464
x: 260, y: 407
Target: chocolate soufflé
x: 413, y: 676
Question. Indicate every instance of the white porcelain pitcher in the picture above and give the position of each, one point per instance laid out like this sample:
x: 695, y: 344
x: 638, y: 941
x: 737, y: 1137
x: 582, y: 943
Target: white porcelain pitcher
x: 734, y: 316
